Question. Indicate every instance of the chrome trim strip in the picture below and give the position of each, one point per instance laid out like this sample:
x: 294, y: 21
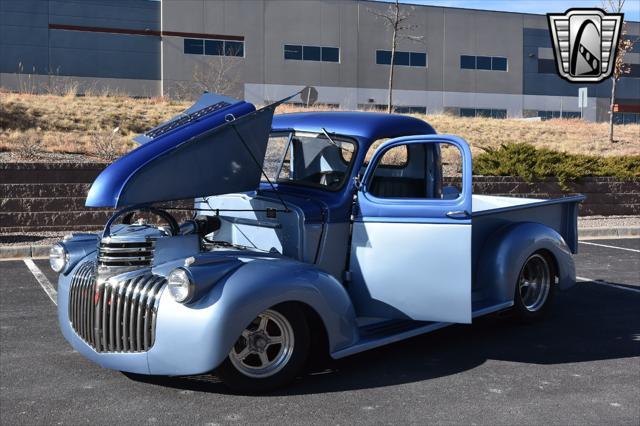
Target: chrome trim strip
x: 116, y: 315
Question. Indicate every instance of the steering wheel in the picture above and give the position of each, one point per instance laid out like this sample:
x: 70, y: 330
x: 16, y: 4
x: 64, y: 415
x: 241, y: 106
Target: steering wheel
x: 171, y: 221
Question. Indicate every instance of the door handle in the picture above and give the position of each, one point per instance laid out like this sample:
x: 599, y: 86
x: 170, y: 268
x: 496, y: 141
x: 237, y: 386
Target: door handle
x: 458, y: 214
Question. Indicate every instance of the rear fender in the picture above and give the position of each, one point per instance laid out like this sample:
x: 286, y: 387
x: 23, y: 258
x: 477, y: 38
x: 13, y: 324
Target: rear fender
x: 503, y: 256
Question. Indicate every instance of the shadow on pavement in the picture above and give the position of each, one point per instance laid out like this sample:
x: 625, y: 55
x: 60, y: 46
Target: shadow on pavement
x: 589, y: 322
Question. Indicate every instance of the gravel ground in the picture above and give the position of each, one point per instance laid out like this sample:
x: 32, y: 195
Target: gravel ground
x: 608, y: 221
x: 46, y: 157
x: 48, y: 238
x: 30, y: 238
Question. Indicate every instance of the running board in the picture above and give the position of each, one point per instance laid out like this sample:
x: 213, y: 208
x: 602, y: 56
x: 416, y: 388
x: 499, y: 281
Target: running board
x: 386, y: 332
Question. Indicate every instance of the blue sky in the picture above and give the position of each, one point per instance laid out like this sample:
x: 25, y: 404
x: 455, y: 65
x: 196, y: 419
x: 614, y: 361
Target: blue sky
x: 631, y: 8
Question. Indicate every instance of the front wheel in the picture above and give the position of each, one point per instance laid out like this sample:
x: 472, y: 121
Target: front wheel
x: 269, y: 353
x: 535, y: 287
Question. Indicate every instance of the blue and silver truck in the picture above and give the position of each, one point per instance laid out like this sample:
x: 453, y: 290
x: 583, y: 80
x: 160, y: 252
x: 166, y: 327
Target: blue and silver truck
x: 316, y: 232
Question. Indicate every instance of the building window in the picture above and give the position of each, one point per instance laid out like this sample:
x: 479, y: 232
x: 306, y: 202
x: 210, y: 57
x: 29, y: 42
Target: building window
x: 213, y: 47
x: 330, y: 54
x: 296, y: 52
x: 410, y: 110
x: 194, y: 46
x: 546, y: 66
x: 293, y: 52
x: 234, y: 48
x: 402, y: 109
x: 548, y: 115
x: 626, y: 117
x: 634, y: 71
x: 383, y: 57
x: 498, y: 63
x: 418, y: 59
x: 489, y: 63
x: 408, y: 59
x: 310, y: 53
x: 483, y: 112
x: 468, y: 62
x: 483, y: 62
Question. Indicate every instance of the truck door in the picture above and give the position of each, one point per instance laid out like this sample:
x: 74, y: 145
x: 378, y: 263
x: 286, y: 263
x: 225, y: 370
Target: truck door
x: 411, y: 241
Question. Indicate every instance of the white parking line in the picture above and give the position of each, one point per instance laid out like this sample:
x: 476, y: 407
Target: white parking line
x: 621, y: 287
x: 42, y: 280
x: 608, y: 246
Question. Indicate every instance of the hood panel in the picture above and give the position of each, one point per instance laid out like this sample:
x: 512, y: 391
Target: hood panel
x: 196, y: 154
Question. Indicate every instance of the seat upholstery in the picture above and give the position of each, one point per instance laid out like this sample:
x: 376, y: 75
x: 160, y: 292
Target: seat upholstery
x: 397, y: 187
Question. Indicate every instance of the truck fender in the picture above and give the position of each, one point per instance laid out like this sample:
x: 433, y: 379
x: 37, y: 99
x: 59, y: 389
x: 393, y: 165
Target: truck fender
x: 260, y: 284
x: 503, y: 255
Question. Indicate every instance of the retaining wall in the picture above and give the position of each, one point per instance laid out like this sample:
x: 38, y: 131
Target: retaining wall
x: 50, y: 196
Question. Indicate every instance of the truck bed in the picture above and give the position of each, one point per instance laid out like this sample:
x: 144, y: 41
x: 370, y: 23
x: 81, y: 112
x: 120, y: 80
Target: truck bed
x: 492, y: 213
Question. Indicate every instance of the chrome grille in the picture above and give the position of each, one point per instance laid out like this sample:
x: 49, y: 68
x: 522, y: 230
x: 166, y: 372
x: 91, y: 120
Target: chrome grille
x: 115, y: 316
x: 114, y: 253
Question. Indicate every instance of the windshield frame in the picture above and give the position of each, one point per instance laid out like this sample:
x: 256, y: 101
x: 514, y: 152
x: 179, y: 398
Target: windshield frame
x: 336, y: 137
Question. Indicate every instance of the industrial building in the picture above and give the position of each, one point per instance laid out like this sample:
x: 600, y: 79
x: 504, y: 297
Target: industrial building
x: 468, y: 62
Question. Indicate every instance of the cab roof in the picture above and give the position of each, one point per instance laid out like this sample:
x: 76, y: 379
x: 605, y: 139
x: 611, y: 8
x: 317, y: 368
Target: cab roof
x: 367, y: 127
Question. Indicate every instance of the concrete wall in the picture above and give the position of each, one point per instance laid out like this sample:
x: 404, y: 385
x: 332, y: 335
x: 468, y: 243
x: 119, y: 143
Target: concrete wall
x: 39, y: 197
x: 35, y: 51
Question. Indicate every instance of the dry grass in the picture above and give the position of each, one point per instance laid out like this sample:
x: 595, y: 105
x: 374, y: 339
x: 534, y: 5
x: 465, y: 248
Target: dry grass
x: 70, y: 123
x: 80, y: 124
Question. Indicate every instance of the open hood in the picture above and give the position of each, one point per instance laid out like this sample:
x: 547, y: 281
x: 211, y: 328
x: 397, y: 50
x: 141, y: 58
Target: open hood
x: 215, y: 147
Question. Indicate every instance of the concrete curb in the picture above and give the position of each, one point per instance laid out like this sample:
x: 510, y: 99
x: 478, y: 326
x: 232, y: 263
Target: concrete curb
x: 24, y: 252
x: 602, y: 233
x: 37, y: 251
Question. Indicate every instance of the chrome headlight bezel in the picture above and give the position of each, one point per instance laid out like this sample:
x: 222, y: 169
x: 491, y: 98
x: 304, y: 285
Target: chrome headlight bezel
x: 181, y: 285
x: 58, y: 257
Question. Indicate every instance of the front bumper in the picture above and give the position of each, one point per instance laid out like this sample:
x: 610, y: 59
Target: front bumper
x: 187, y: 340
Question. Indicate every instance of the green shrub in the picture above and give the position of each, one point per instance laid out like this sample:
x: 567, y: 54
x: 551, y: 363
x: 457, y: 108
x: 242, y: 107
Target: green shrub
x: 525, y: 161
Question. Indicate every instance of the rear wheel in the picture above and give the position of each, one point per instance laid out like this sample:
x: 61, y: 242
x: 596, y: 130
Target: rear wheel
x: 269, y: 353
x: 535, y: 287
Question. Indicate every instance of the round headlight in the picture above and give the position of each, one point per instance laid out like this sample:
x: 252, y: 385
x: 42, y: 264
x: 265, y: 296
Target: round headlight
x: 58, y: 257
x: 180, y: 285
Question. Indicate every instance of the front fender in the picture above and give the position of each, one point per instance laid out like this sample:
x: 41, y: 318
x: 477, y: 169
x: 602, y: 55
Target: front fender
x: 202, y: 333
x: 504, y: 254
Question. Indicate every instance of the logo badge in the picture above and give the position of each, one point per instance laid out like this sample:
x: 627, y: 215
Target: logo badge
x: 585, y: 42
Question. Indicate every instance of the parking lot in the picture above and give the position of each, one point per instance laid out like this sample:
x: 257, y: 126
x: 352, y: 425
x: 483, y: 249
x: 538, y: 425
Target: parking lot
x: 580, y: 365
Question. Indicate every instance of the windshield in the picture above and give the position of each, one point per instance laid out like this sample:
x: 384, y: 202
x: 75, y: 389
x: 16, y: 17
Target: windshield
x: 309, y: 159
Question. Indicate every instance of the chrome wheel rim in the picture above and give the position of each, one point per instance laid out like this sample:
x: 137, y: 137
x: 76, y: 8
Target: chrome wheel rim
x: 264, y: 347
x: 534, y: 282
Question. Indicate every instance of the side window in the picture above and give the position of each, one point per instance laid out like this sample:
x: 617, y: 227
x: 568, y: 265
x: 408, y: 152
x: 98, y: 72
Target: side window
x: 396, y: 157
x: 450, y: 171
x: 418, y: 170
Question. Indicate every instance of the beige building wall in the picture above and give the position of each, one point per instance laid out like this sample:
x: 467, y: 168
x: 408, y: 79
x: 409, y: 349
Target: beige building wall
x: 354, y: 28
x: 264, y: 75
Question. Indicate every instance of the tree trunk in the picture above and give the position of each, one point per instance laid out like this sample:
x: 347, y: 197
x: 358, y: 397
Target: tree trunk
x: 393, y: 58
x: 613, y: 100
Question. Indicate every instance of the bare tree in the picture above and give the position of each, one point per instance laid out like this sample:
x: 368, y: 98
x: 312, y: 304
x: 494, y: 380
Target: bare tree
x: 215, y: 74
x: 620, y: 68
x: 396, y: 20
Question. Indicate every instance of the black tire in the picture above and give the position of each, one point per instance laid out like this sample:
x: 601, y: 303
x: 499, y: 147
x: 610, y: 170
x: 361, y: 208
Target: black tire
x: 524, y: 310
x: 238, y: 381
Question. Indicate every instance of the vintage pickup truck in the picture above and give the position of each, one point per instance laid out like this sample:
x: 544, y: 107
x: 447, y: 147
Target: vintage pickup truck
x: 318, y: 231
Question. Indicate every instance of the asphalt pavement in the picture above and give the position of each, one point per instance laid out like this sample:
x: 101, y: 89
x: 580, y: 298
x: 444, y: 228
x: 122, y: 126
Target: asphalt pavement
x: 580, y: 365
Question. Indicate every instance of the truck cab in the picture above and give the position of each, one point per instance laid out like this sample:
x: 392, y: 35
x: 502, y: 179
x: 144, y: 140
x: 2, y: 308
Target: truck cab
x: 347, y: 230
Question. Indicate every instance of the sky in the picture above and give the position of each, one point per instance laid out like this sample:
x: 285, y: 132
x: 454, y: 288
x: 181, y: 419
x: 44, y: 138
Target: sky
x: 631, y: 7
